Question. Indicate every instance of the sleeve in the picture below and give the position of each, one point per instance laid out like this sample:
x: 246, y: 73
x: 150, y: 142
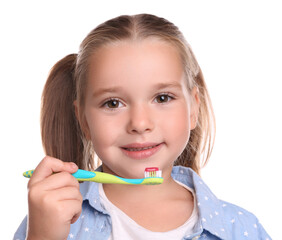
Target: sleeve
x: 21, y: 232
x: 263, y: 235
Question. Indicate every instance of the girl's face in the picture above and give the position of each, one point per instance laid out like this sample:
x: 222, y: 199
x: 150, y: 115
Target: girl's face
x: 137, y: 110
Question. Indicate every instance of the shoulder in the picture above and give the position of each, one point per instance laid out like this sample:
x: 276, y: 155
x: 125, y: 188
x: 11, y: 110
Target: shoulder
x: 234, y: 212
x: 240, y: 221
x: 220, y: 218
x: 21, y: 231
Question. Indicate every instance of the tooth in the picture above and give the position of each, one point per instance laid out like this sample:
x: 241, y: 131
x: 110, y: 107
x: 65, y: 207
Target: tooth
x: 139, y: 149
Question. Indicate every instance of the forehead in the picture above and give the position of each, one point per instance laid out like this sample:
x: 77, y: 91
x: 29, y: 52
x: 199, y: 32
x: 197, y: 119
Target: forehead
x: 134, y: 61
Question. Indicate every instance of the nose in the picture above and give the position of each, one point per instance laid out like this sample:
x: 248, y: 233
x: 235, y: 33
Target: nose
x: 140, y: 120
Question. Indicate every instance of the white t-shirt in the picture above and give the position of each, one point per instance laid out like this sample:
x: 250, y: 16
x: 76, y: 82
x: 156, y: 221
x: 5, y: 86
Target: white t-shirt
x: 125, y: 228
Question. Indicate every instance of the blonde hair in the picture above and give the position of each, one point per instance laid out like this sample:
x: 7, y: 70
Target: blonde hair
x: 62, y: 133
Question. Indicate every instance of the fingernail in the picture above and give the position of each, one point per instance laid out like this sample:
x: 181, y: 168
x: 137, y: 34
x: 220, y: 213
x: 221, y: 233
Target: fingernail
x: 73, y: 165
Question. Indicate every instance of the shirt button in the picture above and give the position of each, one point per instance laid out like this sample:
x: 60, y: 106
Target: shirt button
x: 195, y: 238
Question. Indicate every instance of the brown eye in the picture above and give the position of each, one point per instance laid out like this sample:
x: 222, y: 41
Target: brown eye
x: 112, y: 103
x: 163, y: 98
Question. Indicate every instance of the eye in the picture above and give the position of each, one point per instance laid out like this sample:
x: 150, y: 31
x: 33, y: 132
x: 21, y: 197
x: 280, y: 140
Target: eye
x: 163, y: 98
x: 112, y: 103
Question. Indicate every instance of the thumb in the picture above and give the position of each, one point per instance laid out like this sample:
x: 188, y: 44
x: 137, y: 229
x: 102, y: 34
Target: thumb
x: 50, y: 165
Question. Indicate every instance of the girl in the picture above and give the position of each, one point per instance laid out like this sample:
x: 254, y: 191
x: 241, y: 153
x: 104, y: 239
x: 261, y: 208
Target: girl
x: 135, y: 95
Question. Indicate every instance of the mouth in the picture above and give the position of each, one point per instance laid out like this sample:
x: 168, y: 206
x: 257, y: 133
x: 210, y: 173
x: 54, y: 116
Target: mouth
x: 141, y: 150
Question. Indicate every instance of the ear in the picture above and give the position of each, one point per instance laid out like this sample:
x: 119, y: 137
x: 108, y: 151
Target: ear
x: 195, y: 106
x: 82, y: 122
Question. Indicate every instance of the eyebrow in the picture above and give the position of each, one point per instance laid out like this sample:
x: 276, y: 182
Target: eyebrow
x: 156, y: 87
x: 160, y: 86
x: 106, y: 90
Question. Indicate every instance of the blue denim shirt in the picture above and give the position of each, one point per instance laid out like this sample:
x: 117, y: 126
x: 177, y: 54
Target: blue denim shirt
x: 217, y: 219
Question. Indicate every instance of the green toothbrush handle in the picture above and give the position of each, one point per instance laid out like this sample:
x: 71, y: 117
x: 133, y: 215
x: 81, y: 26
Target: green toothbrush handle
x: 100, y: 177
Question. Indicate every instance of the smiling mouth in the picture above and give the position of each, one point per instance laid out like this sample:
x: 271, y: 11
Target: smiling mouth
x: 141, y: 151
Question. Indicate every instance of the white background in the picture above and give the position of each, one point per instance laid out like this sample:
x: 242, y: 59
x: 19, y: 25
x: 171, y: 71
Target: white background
x: 238, y: 46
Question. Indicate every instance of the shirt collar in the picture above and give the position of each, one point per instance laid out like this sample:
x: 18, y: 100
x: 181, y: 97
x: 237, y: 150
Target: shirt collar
x: 90, y: 193
x: 211, y: 215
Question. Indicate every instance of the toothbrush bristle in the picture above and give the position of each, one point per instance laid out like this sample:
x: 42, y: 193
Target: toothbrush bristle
x: 152, y: 172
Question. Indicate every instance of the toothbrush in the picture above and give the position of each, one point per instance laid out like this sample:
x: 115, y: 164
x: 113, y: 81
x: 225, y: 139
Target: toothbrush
x: 152, y: 177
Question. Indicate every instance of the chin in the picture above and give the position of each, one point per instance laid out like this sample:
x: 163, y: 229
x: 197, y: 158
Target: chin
x: 133, y: 173
x: 124, y: 172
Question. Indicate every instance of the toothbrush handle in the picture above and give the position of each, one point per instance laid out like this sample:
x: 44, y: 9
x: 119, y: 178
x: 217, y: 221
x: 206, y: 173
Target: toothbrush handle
x: 100, y: 177
x: 109, y: 178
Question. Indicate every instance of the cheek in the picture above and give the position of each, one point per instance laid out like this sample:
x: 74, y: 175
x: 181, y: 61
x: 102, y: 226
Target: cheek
x: 177, y: 125
x: 103, y: 130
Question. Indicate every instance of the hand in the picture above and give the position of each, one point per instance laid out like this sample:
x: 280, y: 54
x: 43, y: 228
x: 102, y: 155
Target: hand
x: 54, y: 200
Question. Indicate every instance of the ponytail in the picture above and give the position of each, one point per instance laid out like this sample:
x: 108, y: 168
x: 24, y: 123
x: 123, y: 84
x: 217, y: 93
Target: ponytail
x: 60, y: 131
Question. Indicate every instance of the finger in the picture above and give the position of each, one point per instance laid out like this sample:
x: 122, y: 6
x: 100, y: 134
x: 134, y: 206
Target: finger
x: 48, y: 166
x: 72, y: 210
x: 58, y: 180
x: 75, y: 217
x: 63, y: 194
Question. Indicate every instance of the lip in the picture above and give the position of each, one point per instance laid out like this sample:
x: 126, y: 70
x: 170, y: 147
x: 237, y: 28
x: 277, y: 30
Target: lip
x: 141, y: 150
